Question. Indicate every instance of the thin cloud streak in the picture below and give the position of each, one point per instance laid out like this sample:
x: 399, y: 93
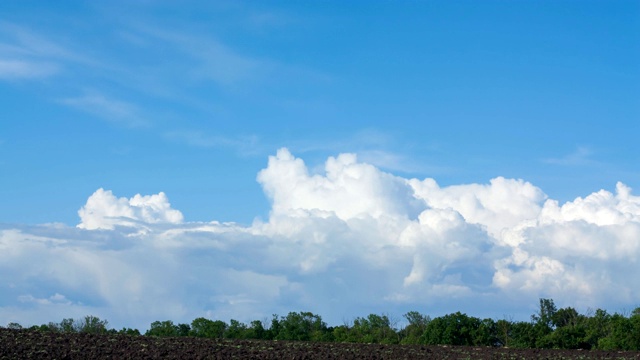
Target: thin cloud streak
x: 25, y: 54
x: 115, y: 111
x: 19, y: 69
x: 582, y: 156
x: 373, y: 146
x: 245, y: 145
x: 212, y: 59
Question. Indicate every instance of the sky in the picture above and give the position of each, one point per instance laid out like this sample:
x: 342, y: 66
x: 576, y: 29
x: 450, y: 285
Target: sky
x: 235, y: 159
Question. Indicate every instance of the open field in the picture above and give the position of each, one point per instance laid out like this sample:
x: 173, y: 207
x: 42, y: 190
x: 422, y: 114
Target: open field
x: 26, y: 344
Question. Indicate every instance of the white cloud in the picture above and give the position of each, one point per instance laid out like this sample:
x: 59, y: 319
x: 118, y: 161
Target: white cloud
x: 209, y: 58
x: 348, y: 240
x: 243, y: 144
x: 104, y: 211
x: 583, y: 249
x: 503, y: 203
x: 26, y: 55
x: 349, y: 189
x: 600, y: 208
x: 56, y: 298
x: 112, y: 110
x: 22, y: 41
x: 21, y: 69
x: 581, y: 156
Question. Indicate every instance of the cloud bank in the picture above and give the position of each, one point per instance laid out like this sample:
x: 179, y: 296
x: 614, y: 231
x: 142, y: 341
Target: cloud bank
x: 342, y: 243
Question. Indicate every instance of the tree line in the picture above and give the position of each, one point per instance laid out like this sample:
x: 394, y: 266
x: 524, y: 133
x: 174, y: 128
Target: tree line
x: 549, y: 327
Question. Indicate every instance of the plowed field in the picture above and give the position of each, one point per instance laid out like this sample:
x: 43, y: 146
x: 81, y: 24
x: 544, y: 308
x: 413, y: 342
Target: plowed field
x: 24, y: 344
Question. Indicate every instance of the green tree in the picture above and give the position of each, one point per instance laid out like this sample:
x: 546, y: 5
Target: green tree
x: 373, y: 329
x: 620, y: 335
x: 523, y: 335
x: 412, y: 333
x: 304, y: 326
x: 184, y: 329
x: 485, y: 333
x: 256, y: 330
x: 274, y: 328
x: 43, y: 327
x: 341, y: 334
x: 68, y: 325
x: 129, y: 331
x: 14, y: 326
x: 202, y: 327
x: 503, y: 332
x: 570, y: 331
x: 566, y: 317
x: 64, y: 326
x: 455, y: 329
x: 163, y: 328
x: 545, y: 314
x: 565, y: 337
x: 91, y: 325
x: 543, y: 322
x: 634, y: 342
x: 597, y: 327
x: 236, y: 330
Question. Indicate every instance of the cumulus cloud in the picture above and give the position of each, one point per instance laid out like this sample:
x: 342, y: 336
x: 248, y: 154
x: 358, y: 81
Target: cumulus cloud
x: 104, y: 211
x: 583, y: 249
x: 346, y: 240
x: 349, y: 189
x: 503, y: 203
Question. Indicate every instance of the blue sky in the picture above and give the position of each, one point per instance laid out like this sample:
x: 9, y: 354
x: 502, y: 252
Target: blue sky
x: 193, y: 99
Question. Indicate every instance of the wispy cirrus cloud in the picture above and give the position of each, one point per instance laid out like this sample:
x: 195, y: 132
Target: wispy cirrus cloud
x: 206, y: 58
x: 27, y: 55
x: 11, y: 69
x: 112, y: 110
x: 19, y: 40
x: 581, y: 156
x: 375, y: 147
x: 245, y: 145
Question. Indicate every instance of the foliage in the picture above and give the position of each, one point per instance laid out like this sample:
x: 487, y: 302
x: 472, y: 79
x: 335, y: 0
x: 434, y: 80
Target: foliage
x: 460, y: 329
x: 168, y: 328
x: 236, y: 330
x: 257, y: 331
x: 14, y: 326
x: 202, y: 327
x: 304, y: 326
x: 373, y: 329
x: 129, y: 331
x: 621, y: 334
x: 89, y: 324
x: 522, y: 335
x: 92, y: 325
x: 550, y: 328
x: 412, y: 333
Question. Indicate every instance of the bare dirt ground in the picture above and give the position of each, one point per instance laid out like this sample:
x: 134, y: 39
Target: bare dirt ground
x: 25, y: 344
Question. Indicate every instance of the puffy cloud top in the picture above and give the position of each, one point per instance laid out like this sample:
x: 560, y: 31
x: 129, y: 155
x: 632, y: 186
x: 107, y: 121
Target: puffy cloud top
x: 351, y: 239
x: 600, y: 208
x: 104, y: 211
x: 503, y: 203
x: 348, y: 189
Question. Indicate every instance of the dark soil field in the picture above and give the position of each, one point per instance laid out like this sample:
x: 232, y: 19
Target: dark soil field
x: 25, y: 344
